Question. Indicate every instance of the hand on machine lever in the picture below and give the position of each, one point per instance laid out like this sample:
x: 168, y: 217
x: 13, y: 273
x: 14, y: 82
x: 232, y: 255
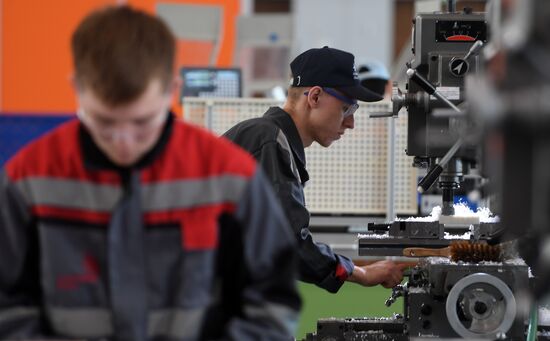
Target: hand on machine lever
x: 386, y: 273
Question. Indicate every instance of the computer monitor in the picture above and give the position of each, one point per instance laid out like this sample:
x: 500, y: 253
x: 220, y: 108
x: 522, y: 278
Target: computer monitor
x: 211, y: 82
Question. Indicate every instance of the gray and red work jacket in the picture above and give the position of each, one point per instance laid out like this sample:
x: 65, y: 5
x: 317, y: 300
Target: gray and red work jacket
x: 274, y: 141
x: 188, y: 244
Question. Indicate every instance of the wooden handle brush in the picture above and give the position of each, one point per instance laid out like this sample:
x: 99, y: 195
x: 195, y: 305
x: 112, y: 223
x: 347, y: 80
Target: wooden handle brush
x: 463, y: 250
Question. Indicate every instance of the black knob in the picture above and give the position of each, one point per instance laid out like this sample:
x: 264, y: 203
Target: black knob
x: 480, y: 307
x: 425, y: 309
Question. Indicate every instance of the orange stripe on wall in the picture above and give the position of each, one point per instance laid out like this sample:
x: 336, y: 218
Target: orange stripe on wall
x: 193, y: 53
x: 230, y: 12
x: 36, y: 61
x: 36, y: 53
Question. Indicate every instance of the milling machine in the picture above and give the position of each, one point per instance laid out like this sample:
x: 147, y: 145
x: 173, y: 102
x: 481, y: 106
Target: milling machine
x: 445, y: 299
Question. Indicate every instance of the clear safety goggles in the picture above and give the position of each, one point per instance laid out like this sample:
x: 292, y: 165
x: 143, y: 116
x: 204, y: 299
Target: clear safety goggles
x: 351, y: 105
x: 113, y: 131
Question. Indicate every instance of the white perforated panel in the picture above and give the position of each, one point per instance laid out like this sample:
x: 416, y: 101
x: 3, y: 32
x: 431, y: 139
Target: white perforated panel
x: 405, y: 196
x: 350, y: 177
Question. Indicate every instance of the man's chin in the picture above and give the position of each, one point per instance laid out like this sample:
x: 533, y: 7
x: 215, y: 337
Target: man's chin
x: 329, y: 142
x: 325, y: 144
x: 123, y: 161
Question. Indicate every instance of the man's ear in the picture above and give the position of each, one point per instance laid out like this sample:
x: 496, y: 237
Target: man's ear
x: 174, y: 86
x: 77, y: 88
x: 313, y: 96
x: 74, y: 83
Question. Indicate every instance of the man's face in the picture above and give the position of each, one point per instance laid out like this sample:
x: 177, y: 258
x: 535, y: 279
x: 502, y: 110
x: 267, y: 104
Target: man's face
x: 327, y: 121
x: 125, y: 132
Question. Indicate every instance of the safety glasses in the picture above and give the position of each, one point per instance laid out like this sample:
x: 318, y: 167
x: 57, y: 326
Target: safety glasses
x: 352, y: 105
x: 132, y: 130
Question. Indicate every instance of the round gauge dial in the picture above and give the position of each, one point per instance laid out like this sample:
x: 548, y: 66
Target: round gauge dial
x: 460, y: 31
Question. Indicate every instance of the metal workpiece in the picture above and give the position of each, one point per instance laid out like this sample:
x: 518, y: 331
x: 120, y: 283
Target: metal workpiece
x: 391, y: 238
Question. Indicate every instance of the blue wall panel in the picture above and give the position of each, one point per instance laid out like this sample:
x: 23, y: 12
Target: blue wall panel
x: 17, y: 130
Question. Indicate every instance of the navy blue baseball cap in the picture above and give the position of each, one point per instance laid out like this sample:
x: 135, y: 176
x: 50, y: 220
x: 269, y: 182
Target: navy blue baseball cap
x: 329, y: 67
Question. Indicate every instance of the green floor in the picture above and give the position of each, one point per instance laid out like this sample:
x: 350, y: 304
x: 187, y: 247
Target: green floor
x: 351, y: 301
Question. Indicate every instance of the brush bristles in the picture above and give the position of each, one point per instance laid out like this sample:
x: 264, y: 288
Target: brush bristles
x: 474, y: 252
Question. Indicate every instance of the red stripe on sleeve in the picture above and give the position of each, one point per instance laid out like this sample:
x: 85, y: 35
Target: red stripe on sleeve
x: 71, y: 214
x: 341, y: 272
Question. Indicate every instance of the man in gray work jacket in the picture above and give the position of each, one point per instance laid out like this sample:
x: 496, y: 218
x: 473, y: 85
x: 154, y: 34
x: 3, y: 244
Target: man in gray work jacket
x: 322, y: 99
x: 130, y: 225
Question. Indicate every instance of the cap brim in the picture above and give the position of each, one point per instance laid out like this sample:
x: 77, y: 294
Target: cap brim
x: 361, y: 93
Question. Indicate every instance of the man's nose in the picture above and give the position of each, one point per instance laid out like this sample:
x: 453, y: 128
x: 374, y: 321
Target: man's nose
x: 122, y: 137
x: 349, y: 122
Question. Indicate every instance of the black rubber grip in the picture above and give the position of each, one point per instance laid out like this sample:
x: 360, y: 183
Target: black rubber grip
x: 423, y: 83
x: 427, y: 181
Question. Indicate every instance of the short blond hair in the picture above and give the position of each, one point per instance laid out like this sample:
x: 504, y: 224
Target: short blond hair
x: 295, y: 93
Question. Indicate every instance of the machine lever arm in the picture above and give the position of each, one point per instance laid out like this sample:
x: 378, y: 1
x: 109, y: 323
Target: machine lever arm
x: 436, y: 170
x: 430, y: 88
x: 474, y: 49
x: 379, y: 114
x: 427, y: 181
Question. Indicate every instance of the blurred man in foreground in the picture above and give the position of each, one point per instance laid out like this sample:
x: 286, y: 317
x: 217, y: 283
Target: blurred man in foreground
x: 129, y: 225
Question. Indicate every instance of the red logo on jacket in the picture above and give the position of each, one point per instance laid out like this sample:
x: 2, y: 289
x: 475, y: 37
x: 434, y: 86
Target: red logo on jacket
x: 90, y: 275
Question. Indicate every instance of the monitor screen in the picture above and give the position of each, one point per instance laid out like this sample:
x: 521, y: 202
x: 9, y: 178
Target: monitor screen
x: 211, y: 82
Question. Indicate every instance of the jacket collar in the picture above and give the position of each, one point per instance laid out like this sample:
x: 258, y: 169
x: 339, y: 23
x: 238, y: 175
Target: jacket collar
x: 95, y: 159
x: 283, y: 120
